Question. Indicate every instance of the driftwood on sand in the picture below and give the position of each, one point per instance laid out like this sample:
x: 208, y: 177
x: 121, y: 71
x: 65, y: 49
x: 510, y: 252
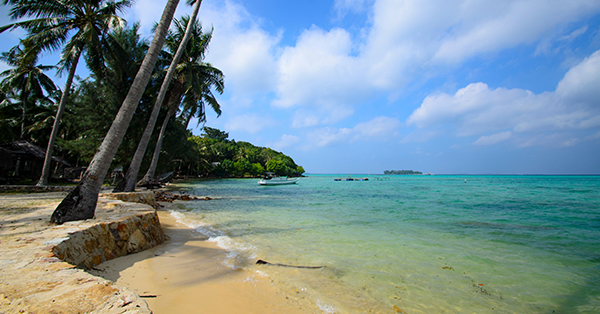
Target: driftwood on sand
x: 261, y: 262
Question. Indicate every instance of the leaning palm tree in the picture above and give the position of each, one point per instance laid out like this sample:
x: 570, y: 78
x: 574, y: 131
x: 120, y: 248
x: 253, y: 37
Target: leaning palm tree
x: 51, y: 27
x: 80, y: 203
x: 128, y: 185
x: 193, y: 81
x: 25, y: 77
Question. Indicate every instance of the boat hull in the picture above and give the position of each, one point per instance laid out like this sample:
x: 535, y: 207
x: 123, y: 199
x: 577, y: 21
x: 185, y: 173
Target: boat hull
x: 277, y: 182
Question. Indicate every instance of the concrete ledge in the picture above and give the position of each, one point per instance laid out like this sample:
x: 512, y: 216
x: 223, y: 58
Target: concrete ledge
x: 144, y: 197
x: 102, y: 240
x: 39, y: 270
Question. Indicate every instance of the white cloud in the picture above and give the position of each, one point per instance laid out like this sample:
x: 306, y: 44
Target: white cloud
x: 251, y: 123
x: 557, y: 140
x: 379, y: 128
x: 333, y: 71
x: 328, y: 136
x: 581, y: 84
x: 242, y: 50
x: 304, y: 118
x: 497, y: 25
x: 342, y: 7
x: 576, y: 33
x: 477, y: 109
x: 240, y: 47
x: 319, y: 73
x: 494, y: 138
x: 328, y: 73
x: 285, y: 141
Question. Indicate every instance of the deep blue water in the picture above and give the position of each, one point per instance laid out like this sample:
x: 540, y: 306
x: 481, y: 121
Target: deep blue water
x: 422, y: 244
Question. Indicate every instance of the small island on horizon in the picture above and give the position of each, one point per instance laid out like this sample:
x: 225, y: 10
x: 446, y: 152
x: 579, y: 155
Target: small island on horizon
x: 402, y: 172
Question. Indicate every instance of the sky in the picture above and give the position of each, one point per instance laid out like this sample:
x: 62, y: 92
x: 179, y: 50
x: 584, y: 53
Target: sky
x: 438, y: 86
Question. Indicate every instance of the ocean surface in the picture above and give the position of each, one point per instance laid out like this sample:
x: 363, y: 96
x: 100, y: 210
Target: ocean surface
x: 413, y: 244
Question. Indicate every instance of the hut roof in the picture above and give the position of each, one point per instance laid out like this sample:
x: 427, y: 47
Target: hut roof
x: 24, y: 147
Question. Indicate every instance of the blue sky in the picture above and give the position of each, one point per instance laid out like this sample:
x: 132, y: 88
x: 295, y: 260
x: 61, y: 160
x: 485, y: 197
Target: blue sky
x: 440, y: 86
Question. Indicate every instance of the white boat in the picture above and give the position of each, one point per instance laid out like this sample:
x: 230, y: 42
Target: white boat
x: 277, y: 181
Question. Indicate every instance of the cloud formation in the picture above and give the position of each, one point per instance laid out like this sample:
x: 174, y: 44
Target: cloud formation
x: 327, y: 74
x: 378, y: 129
x: 478, y: 110
x: 336, y: 71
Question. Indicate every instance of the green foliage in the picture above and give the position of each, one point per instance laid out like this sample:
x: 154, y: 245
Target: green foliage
x: 216, y: 156
x: 403, y: 172
x: 95, y: 101
x: 215, y: 134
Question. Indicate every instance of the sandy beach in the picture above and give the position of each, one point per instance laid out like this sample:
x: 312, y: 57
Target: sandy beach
x: 186, y: 275
x: 183, y: 275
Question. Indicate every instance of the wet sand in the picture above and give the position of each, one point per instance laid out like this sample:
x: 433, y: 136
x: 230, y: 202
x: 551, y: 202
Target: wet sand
x: 186, y: 275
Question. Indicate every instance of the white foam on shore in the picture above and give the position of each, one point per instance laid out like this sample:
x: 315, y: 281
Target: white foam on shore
x: 239, y: 254
x: 326, y: 308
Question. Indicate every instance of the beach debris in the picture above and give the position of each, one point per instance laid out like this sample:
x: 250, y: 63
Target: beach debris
x: 261, y: 262
x: 148, y: 296
x: 397, y: 309
x: 447, y: 267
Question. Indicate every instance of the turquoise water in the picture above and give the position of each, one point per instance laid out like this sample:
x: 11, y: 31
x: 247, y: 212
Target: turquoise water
x: 420, y: 244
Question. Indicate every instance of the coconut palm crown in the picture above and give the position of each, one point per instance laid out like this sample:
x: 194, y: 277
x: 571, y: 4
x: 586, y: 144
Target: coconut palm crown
x: 50, y: 27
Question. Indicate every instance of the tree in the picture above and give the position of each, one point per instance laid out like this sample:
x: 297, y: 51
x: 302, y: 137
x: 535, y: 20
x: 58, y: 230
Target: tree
x: 278, y: 166
x: 136, y: 161
x: 80, y: 203
x: 25, y: 77
x: 94, y: 103
x: 53, y: 21
x: 215, y: 134
x: 193, y: 81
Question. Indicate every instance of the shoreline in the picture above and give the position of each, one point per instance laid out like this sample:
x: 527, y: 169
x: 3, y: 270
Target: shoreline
x: 186, y: 274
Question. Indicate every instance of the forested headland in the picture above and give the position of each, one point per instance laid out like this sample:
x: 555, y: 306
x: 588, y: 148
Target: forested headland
x: 401, y: 172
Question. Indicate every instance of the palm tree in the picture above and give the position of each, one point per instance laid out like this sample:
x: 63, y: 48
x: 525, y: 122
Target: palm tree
x: 136, y: 161
x: 51, y: 24
x: 81, y: 202
x: 192, y: 84
x: 25, y: 78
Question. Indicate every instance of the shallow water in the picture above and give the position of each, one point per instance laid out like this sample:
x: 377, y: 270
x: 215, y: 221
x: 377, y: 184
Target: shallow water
x: 422, y: 244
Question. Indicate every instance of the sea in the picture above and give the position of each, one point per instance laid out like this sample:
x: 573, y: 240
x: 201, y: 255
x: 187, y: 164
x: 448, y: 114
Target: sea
x: 412, y: 244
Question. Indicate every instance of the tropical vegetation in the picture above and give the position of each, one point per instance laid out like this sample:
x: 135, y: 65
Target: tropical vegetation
x: 401, y: 172
x: 98, y: 122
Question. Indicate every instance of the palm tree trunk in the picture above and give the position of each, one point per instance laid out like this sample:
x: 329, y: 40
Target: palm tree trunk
x: 187, y: 120
x: 81, y: 202
x: 59, y: 112
x: 149, y: 176
x: 136, y: 161
x: 24, y: 105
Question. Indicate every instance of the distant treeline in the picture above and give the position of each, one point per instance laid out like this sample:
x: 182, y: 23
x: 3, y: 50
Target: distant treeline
x: 388, y: 172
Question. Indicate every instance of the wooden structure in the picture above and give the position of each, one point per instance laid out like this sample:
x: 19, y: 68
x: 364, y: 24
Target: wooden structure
x: 23, y: 160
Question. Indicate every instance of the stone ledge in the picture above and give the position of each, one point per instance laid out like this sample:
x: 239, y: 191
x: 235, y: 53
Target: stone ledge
x: 92, y: 242
x: 144, y: 197
x: 39, y: 273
